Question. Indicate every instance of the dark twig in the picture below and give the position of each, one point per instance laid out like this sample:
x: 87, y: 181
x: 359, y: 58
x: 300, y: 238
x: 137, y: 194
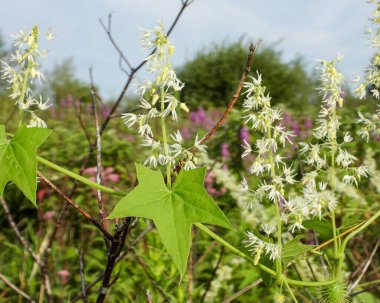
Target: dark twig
x: 82, y: 276
x: 23, y: 241
x: 46, y: 254
x: 122, y: 256
x: 185, y: 3
x: 306, y: 290
x: 94, y: 97
x: 364, y: 290
x: 208, y: 286
x: 15, y: 288
x: 122, y: 57
x: 311, y: 270
x: 357, y: 281
x: 76, y: 206
x: 235, y: 96
x: 242, y: 291
x: 113, y: 253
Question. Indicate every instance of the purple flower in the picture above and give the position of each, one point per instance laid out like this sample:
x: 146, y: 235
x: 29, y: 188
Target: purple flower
x: 69, y: 100
x: 308, y: 123
x: 244, y: 134
x: 186, y: 133
x: 287, y: 119
x: 198, y: 117
x: 224, y: 151
x: 296, y: 128
x: 62, y: 102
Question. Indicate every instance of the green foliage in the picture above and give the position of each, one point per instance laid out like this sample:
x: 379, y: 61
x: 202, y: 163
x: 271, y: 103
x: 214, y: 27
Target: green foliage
x: 18, y: 159
x: 294, y: 249
x: 173, y: 211
x: 212, y: 76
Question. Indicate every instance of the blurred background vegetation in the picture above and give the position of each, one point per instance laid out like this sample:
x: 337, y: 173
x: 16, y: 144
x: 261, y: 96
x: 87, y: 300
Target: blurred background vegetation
x: 210, y: 79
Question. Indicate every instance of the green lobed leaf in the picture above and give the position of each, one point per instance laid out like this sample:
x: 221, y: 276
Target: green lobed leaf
x: 173, y: 211
x: 294, y: 249
x: 322, y: 227
x: 18, y: 159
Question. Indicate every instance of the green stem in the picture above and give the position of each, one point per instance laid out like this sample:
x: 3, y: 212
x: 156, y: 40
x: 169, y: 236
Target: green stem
x: 277, y: 206
x: 332, y: 184
x: 22, y: 94
x: 165, y: 139
x: 353, y: 234
x: 290, y: 291
x: 261, y: 266
x: 81, y: 178
x: 370, y: 283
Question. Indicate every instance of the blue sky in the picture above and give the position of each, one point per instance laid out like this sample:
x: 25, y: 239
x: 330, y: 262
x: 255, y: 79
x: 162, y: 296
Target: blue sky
x: 314, y: 29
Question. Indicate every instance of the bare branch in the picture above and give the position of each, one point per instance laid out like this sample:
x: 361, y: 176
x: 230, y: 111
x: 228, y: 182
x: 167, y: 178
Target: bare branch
x: 114, y: 250
x: 122, y: 57
x: 185, y: 4
x: 245, y: 289
x: 94, y: 97
x: 120, y: 258
x: 23, y: 241
x: 207, y: 288
x: 235, y: 96
x: 82, y: 276
x: 76, y: 206
x: 15, y: 288
x: 353, y: 285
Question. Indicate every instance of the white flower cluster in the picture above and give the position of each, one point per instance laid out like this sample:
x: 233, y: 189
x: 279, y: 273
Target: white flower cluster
x: 22, y: 70
x: 371, y: 83
x: 327, y: 130
x: 258, y: 247
x: 158, y: 100
x: 268, y: 163
x: 239, y: 192
x: 313, y: 201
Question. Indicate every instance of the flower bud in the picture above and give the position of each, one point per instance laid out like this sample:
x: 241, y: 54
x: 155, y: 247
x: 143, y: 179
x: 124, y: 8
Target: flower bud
x: 184, y: 107
x: 340, y: 102
x: 171, y: 49
x: 154, y: 99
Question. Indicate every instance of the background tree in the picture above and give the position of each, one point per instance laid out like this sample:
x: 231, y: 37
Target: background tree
x: 213, y: 73
x: 63, y: 82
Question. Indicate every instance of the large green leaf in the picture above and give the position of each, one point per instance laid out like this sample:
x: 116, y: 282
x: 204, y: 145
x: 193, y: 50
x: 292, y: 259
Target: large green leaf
x: 322, y: 227
x: 173, y: 211
x: 294, y: 249
x: 18, y: 159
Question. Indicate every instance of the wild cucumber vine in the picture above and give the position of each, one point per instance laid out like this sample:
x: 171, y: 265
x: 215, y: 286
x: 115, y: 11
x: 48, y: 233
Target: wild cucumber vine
x: 179, y: 199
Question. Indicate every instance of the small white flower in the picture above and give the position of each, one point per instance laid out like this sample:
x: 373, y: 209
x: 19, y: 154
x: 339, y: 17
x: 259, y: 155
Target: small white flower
x: 145, y: 130
x: 347, y: 137
x: 268, y: 228
x: 36, y: 122
x: 177, y: 137
x: 129, y: 119
x: 198, y: 146
x: 247, y: 149
x: 151, y: 161
x: 189, y: 165
x: 43, y: 105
